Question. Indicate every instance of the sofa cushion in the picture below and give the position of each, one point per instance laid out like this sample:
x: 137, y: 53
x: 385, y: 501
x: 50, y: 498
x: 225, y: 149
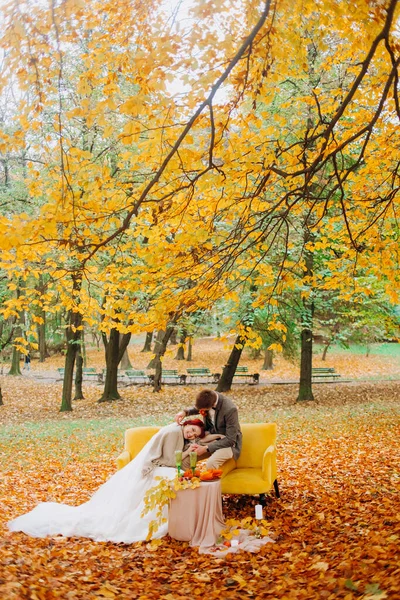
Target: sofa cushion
x: 245, y: 481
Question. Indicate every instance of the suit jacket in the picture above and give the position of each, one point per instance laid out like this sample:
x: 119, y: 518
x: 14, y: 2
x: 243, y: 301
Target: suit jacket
x: 226, y: 423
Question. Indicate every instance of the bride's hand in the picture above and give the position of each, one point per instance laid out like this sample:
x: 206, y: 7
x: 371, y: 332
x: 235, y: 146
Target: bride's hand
x: 200, y: 450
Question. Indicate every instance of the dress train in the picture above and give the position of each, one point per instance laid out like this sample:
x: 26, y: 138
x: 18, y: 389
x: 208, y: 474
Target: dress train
x: 112, y: 514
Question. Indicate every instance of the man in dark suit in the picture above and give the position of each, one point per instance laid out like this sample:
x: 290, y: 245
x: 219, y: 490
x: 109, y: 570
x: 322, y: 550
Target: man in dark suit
x: 221, y: 417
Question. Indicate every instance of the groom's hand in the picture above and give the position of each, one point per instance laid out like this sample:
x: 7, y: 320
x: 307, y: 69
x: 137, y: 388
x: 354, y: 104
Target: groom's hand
x: 200, y: 450
x: 181, y: 415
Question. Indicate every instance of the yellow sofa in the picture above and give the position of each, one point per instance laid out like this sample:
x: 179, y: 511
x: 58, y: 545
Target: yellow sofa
x: 253, y: 473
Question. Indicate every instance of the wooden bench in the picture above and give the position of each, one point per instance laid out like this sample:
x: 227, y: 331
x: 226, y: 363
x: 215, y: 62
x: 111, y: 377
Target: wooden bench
x: 120, y: 375
x: 324, y: 373
x: 136, y: 376
x: 200, y: 374
x: 91, y: 373
x: 244, y: 372
x: 87, y: 373
x: 171, y: 376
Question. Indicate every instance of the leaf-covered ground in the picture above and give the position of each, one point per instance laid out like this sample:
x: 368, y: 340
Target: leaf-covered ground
x: 36, y: 396
x: 336, y: 527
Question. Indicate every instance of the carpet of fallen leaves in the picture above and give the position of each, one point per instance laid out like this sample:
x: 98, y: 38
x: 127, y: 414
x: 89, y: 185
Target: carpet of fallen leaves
x: 336, y: 526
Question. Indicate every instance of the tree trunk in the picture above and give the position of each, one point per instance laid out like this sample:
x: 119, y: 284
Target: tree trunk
x: 97, y: 339
x: 79, y: 376
x: 311, y: 191
x: 73, y: 334
x: 41, y: 329
x: 110, y: 391
x: 83, y: 349
x: 159, y: 338
x: 217, y: 324
x: 15, y: 368
x: 268, y: 360
x: 115, y: 349
x: 1, y: 397
x: 173, y: 339
x: 225, y: 381
x: 256, y: 353
x: 70, y: 357
x: 305, y: 388
x: 190, y: 349
x: 125, y: 361
x: 105, y: 344
x: 147, y: 342
x: 324, y: 353
x: 180, y: 355
x: 159, y: 352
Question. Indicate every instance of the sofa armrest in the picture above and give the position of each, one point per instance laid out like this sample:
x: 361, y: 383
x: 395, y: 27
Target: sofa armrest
x: 123, y: 459
x: 269, y: 465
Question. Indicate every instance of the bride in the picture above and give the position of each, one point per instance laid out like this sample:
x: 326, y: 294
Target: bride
x: 114, y: 512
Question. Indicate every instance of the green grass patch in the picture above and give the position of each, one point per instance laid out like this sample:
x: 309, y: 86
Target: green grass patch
x: 379, y: 349
x: 98, y: 439
x: 65, y: 440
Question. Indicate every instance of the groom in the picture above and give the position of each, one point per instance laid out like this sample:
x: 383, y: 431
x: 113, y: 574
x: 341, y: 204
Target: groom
x: 221, y: 416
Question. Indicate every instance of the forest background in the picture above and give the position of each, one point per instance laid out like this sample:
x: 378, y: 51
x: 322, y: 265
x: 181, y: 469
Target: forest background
x: 186, y: 170
x: 265, y: 190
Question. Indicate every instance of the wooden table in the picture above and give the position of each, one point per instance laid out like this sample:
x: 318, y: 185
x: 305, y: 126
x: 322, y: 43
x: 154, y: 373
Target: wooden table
x: 195, y: 516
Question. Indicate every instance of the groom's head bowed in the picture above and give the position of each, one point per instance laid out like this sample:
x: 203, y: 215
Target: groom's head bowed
x: 206, y: 399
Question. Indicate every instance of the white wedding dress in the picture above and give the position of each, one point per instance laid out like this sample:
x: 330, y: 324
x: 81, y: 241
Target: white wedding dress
x: 112, y: 514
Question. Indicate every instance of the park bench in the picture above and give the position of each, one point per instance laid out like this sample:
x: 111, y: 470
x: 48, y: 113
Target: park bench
x: 200, y: 374
x: 324, y: 373
x: 87, y: 373
x: 91, y: 374
x: 120, y: 375
x: 244, y: 372
x: 136, y: 376
x: 253, y: 473
x: 171, y: 376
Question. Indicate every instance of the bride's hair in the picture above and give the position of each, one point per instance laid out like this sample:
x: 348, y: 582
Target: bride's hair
x: 198, y: 423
